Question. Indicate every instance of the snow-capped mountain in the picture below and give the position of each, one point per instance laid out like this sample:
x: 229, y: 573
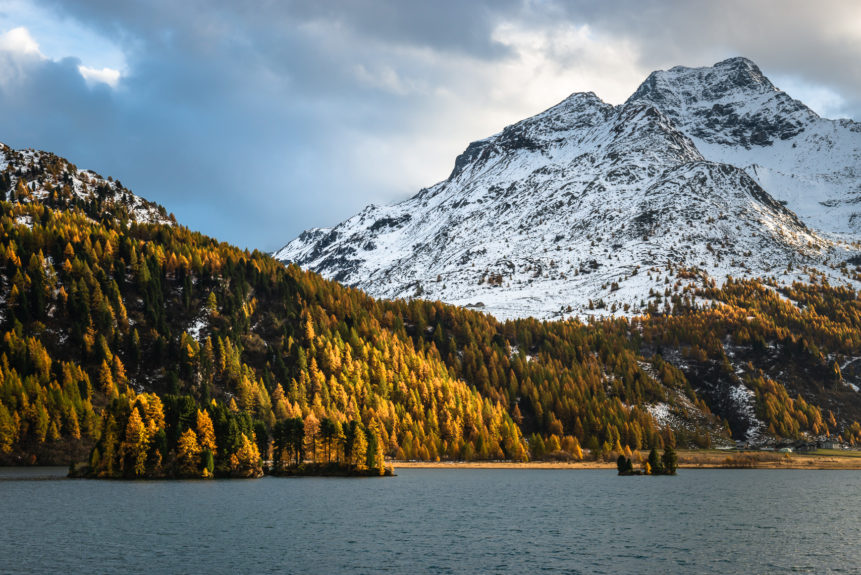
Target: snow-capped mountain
x: 588, y: 208
x: 27, y: 175
x: 735, y: 115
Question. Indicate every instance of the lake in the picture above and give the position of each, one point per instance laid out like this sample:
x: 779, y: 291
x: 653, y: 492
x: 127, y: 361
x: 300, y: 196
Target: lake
x: 436, y: 521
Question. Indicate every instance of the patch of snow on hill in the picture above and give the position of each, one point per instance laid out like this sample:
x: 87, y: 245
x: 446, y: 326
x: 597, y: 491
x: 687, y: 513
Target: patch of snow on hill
x: 745, y: 403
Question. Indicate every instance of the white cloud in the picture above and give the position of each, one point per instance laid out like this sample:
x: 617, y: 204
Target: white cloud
x: 821, y: 99
x: 552, y: 62
x: 19, y: 41
x: 18, y: 46
x: 18, y: 51
x: 362, y: 102
x: 462, y: 98
x: 107, y: 76
x: 384, y: 78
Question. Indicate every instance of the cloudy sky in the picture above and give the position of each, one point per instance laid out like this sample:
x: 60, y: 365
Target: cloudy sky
x: 252, y: 121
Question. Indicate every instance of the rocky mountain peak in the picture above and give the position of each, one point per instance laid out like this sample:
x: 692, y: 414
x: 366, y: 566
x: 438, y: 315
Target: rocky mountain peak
x: 731, y: 103
x: 680, y: 86
x: 587, y: 208
x: 735, y: 115
x: 540, y: 132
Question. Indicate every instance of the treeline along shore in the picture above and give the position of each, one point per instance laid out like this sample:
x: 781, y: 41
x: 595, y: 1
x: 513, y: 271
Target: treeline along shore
x: 138, y: 348
x: 687, y: 459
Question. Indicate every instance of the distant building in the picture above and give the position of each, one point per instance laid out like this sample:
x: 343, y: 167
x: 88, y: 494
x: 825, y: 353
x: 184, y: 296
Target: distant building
x: 830, y: 444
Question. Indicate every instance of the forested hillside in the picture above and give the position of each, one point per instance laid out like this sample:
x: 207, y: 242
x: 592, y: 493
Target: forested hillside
x: 751, y: 360
x: 146, y: 349
x: 97, y: 313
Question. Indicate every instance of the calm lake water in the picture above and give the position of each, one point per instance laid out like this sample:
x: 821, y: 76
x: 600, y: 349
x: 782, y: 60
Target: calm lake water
x: 436, y: 521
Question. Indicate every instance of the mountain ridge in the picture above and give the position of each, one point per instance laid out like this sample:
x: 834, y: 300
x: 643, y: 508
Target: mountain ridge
x: 568, y: 182
x: 807, y: 161
x: 106, y: 315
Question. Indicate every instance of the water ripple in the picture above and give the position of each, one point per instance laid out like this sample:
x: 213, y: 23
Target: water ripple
x: 442, y: 521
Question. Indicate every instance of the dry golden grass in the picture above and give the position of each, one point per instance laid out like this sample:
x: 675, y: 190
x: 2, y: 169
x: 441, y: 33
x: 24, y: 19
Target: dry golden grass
x: 694, y: 459
x: 503, y: 465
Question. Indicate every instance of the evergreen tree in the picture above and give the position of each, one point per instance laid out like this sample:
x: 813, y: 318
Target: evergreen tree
x: 208, y: 463
x: 670, y: 461
x: 621, y: 464
x: 655, y: 462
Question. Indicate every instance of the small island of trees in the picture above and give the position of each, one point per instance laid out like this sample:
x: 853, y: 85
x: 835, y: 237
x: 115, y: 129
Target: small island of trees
x: 667, y: 464
x: 146, y: 438
x: 348, y: 449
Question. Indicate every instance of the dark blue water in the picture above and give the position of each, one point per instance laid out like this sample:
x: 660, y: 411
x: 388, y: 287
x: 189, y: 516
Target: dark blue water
x: 437, y: 521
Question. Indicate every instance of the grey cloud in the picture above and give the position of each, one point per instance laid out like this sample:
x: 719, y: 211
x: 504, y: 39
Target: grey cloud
x: 788, y: 37
x: 450, y: 25
x: 52, y: 104
x: 254, y: 120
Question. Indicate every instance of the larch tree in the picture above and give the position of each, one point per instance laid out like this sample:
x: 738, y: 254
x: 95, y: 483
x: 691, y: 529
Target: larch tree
x: 106, y: 380
x: 246, y: 461
x: 7, y: 430
x: 135, y: 446
x: 312, y: 428
x: 188, y: 454
x: 205, y: 431
x: 359, y: 449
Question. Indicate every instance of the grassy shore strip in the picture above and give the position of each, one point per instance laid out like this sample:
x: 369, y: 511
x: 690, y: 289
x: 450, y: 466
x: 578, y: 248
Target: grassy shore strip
x: 704, y: 459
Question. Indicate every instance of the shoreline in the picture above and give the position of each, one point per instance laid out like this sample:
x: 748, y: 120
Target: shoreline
x: 687, y: 460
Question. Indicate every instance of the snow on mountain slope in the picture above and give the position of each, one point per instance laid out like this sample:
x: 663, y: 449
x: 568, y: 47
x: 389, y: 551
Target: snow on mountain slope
x: 735, y: 115
x: 51, y: 179
x: 583, y: 209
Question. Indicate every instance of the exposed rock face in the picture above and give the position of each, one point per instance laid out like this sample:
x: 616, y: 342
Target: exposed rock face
x: 735, y: 115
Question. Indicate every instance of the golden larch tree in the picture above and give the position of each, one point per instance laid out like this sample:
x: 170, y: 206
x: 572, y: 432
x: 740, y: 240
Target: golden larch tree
x: 188, y: 454
x: 205, y: 431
